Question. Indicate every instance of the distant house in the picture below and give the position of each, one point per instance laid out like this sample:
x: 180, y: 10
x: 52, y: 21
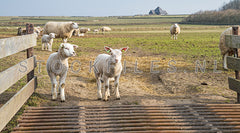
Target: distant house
x: 158, y: 11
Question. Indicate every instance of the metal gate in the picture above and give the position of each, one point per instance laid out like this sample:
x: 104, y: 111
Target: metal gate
x: 129, y: 118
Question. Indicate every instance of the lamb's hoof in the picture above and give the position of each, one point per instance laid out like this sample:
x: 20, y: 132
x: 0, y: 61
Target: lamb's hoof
x: 99, y: 99
x: 62, y: 101
x: 54, y: 99
x: 105, y: 100
x: 118, y: 98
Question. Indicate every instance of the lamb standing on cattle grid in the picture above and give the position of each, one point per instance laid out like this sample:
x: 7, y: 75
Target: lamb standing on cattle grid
x: 225, y: 51
x: 57, y: 65
x: 62, y: 30
x: 175, y: 30
x: 47, y: 41
x: 107, y: 67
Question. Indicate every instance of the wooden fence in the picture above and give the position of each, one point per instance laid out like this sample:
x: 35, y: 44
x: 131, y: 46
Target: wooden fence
x: 233, y: 41
x: 10, y: 76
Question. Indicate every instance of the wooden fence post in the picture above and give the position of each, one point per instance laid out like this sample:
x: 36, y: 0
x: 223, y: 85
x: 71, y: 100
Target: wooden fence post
x: 235, y: 31
x: 30, y: 30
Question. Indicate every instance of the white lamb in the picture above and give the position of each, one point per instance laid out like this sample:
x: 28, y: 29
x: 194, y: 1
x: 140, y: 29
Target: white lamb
x: 47, y: 41
x: 57, y: 65
x: 107, y: 67
x: 174, y: 30
x: 225, y: 51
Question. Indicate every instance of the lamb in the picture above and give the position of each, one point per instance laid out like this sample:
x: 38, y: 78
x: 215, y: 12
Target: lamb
x: 175, y: 30
x: 61, y: 29
x: 57, y: 65
x: 47, y: 41
x: 76, y: 32
x: 107, y: 67
x: 84, y: 30
x: 96, y: 31
x: 225, y: 51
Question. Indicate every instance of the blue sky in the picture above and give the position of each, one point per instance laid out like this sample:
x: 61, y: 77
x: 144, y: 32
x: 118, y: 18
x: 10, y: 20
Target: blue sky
x: 102, y: 7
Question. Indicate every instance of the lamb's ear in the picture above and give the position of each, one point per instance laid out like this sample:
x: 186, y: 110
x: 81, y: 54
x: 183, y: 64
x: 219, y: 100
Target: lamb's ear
x: 75, y: 46
x: 108, y: 49
x: 62, y: 45
x: 124, y: 49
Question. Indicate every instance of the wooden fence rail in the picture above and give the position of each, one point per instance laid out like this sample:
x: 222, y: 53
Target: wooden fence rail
x: 9, y: 46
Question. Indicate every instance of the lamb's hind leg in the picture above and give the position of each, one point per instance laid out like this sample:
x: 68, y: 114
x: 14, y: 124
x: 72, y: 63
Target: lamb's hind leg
x: 99, y: 86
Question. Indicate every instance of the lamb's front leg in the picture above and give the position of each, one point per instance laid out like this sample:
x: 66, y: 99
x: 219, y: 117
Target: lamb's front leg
x: 225, y: 61
x: 43, y: 46
x: 99, y: 86
x: 54, y: 86
x: 62, y: 86
x: 106, y: 88
x: 49, y: 47
x: 116, y: 84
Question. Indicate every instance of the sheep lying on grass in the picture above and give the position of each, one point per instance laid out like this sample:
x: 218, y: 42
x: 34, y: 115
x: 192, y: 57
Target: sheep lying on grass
x: 47, y: 41
x: 225, y: 51
x: 174, y: 30
x: 57, y: 65
x: 107, y: 67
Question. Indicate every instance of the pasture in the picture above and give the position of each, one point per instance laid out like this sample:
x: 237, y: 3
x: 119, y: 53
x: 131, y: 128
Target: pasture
x: 172, y: 80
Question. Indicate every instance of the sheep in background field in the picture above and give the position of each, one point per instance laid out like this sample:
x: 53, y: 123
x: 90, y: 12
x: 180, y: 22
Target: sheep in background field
x: 107, y: 67
x: 57, y: 65
x: 61, y: 29
x: 104, y: 29
x: 84, y: 30
x: 47, y: 41
x: 96, y: 31
x: 175, y: 30
x: 225, y: 51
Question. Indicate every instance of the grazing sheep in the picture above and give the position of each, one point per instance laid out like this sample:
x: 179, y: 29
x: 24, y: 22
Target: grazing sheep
x: 107, y: 67
x: 225, y: 51
x: 103, y: 29
x: 96, y: 31
x: 84, y: 30
x: 57, y: 65
x: 175, y: 30
x: 47, y: 41
x: 61, y: 29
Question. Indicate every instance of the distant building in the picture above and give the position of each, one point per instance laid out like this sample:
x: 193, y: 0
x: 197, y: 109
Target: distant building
x: 158, y: 11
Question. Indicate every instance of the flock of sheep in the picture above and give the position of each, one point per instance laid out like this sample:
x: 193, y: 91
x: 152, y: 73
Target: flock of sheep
x: 107, y: 67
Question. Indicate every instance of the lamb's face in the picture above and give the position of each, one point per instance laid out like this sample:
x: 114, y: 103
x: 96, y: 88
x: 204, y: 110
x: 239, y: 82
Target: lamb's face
x: 74, y: 25
x: 52, y: 35
x: 175, y: 25
x: 116, y: 54
x: 68, y: 49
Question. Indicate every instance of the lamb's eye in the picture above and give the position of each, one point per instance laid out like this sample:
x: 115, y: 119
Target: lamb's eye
x: 111, y: 54
x: 67, y: 48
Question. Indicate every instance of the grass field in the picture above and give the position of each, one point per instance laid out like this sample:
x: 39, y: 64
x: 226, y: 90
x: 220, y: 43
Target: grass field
x: 148, y: 39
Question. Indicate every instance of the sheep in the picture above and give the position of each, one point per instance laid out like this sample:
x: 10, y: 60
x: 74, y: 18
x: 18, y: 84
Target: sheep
x: 103, y: 29
x: 174, y: 30
x: 47, y: 41
x: 107, y: 67
x: 225, y: 51
x: 84, y: 30
x: 76, y: 32
x: 96, y: 31
x: 61, y: 29
x: 57, y: 65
